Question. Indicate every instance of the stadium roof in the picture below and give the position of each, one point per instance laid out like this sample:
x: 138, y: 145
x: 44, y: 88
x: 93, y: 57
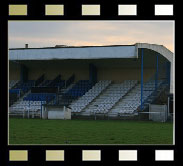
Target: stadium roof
x: 84, y: 52
x: 89, y: 52
x: 66, y: 46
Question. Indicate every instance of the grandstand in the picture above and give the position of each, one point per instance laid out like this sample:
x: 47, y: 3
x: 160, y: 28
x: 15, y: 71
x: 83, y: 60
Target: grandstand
x: 113, y: 81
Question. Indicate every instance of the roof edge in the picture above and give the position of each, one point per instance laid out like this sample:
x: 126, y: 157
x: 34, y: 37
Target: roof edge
x: 70, y: 47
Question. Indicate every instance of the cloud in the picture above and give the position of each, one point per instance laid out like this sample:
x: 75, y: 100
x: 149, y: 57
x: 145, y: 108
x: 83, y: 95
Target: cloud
x: 51, y: 33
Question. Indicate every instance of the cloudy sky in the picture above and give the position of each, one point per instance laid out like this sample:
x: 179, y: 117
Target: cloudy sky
x: 90, y: 33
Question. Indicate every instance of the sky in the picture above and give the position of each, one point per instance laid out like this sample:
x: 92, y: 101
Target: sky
x: 89, y: 33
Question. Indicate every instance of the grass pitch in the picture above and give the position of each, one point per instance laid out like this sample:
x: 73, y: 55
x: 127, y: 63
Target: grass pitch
x: 37, y: 131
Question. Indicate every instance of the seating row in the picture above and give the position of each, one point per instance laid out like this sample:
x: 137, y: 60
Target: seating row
x: 89, y: 96
x: 40, y: 97
x: 132, y: 100
x: 110, y: 97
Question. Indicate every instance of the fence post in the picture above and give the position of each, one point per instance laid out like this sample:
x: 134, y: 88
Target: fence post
x: 41, y: 110
x: 168, y: 109
x: 29, y: 109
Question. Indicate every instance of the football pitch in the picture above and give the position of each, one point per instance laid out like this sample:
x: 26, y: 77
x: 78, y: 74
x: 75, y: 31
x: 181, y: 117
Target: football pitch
x: 37, y: 131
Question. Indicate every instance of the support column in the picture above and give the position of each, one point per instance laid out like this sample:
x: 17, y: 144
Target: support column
x: 172, y: 78
x: 23, y: 73
x: 156, y: 76
x: 142, y: 60
x: 168, y: 73
x: 92, y: 73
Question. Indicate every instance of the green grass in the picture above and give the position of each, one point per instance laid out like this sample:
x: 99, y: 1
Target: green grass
x: 37, y: 131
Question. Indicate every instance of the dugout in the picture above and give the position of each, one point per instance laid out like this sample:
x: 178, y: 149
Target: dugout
x: 140, y: 62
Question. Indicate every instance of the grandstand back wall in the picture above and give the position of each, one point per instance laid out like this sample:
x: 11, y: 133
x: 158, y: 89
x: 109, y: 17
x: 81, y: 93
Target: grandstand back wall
x: 117, y: 70
x: 14, y: 71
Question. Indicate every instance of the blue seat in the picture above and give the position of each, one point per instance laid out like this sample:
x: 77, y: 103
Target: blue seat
x: 39, y: 97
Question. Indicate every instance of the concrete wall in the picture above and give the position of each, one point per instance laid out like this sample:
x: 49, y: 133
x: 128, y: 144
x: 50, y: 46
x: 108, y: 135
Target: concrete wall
x: 117, y: 70
x: 119, y: 75
x: 14, y: 71
x: 14, y: 74
x: 51, y: 73
x: 58, y: 112
x: 116, y: 74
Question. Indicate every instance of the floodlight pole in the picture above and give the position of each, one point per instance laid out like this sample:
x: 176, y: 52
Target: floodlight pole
x: 142, y: 59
